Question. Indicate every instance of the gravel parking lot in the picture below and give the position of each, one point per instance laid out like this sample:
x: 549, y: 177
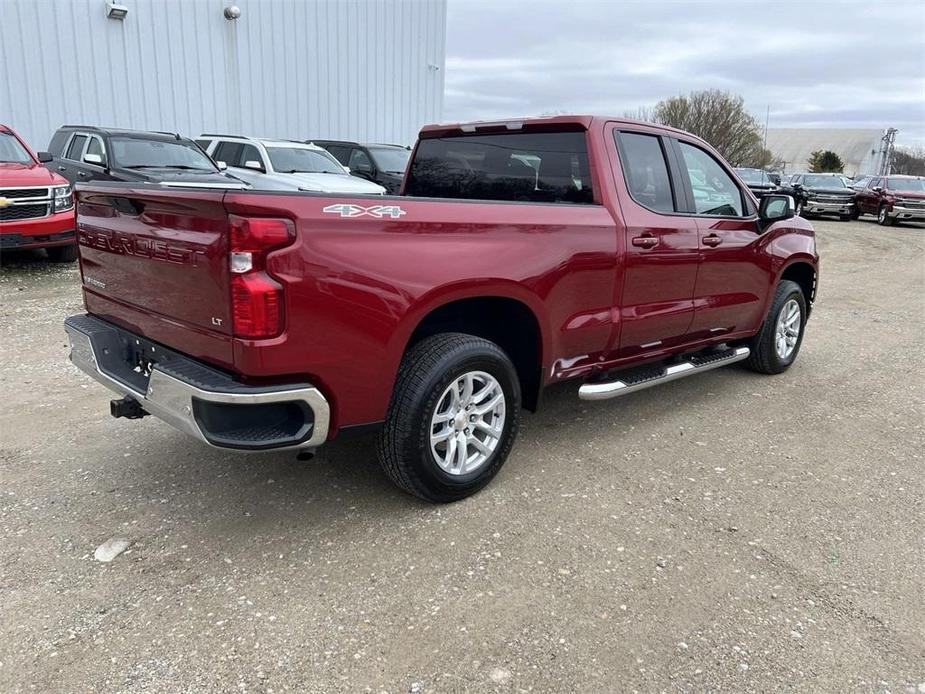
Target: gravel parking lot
x: 726, y: 532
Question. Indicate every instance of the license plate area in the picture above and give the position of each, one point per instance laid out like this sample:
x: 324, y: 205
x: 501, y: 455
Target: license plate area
x: 126, y: 358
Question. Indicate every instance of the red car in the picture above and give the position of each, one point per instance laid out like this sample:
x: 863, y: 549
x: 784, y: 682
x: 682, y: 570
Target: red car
x: 519, y: 254
x: 36, y: 205
x: 893, y: 199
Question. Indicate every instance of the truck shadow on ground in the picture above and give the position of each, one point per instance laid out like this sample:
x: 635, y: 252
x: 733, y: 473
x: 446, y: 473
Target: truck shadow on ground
x: 248, y: 496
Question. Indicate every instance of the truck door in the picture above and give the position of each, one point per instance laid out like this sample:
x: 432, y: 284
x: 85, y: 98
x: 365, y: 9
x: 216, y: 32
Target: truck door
x: 67, y: 163
x: 662, y: 249
x: 733, y: 278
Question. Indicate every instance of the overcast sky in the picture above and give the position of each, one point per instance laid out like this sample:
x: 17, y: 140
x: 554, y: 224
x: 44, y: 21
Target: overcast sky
x: 817, y: 63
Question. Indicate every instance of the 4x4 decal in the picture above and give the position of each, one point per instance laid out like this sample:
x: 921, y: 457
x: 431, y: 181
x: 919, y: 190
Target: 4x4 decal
x: 377, y: 211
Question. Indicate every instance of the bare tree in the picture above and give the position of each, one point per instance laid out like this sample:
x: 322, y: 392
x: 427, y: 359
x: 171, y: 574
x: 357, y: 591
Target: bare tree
x: 719, y: 118
x: 909, y: 161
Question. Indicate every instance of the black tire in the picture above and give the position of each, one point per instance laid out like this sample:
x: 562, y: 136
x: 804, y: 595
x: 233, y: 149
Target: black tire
x: 845, y: 217
x: 883, y: 218
x: 62, y: 254
x: 426, y: 370
x: 764, y: 357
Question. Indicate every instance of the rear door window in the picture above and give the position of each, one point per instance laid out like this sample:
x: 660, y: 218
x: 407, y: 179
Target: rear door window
x: 228, y: 152
x: 76, y: 148
x: 528, y: 167
x: 645, y: 170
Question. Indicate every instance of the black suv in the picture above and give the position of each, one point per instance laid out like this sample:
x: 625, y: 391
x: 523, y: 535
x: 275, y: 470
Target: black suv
x: 86, y: 153
x: 382, y: 164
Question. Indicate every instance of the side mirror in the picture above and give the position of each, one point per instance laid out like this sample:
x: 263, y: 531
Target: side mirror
x: 95, y: 159
x: 347, y: 169
x: 253, y: 164
x: 44, y: 157
x: 877, y: 189
x: 775, y: 208
x: 221, y: 165
x: 797, y: 185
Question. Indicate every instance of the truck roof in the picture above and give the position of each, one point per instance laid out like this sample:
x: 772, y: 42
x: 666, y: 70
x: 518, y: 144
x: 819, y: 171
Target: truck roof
x: 577, y: 121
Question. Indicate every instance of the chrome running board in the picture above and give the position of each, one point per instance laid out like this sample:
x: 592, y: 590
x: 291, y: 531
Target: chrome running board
x: 693, y: 365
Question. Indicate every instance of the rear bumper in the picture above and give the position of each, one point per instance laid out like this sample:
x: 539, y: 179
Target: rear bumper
x: 195, y: 398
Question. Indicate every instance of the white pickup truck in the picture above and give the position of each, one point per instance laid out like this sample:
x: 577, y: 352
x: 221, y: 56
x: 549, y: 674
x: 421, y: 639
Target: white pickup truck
x: 284, y: 165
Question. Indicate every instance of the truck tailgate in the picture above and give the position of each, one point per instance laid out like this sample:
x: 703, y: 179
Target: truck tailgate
x: 156, y: 262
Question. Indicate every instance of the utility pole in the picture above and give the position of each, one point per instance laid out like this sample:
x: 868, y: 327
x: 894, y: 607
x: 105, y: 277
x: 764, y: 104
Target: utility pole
x: 886, y: 152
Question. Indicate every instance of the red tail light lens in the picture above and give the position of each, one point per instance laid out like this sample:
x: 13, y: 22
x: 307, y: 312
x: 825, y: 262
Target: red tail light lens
x: 257, y: 300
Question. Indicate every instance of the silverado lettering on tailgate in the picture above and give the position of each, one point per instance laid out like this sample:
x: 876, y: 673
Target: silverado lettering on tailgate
x: 124, y: 244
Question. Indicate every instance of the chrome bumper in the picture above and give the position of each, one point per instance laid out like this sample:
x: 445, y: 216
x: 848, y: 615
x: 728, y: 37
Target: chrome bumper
x: 903, y: 213
x: 813, y: 206
x: 176, y: 399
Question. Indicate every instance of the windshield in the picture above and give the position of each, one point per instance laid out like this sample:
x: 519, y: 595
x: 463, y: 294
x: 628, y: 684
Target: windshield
x: 823, y: 181
x: 391, y: 159
x: 299, y: 160
x: 753, y: 175
x: 135, y: 153
x: 913, y: 185
x: 11, y: 150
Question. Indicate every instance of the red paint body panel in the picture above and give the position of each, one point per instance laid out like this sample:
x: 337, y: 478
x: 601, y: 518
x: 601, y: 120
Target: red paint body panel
x: 34, y: 174
x: 356, y: 288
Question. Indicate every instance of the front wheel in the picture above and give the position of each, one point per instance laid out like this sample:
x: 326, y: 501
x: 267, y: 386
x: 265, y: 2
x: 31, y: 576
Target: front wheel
x: 883, y: 217
x: 777, y: 344
x: 453, y: 417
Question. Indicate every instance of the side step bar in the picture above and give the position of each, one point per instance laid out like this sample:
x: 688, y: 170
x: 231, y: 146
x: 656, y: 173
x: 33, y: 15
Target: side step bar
x: 694, y: 365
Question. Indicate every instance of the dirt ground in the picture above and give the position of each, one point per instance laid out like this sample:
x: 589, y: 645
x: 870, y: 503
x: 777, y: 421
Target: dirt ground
x: 727, y: 532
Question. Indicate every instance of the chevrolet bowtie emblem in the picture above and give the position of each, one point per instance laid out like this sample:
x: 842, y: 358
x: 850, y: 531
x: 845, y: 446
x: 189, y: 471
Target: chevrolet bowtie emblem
x: 4, y: 202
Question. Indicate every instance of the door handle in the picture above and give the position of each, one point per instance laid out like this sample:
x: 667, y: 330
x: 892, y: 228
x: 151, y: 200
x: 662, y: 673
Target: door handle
x: 645, y: 241
x: 712, y: 240
x: 82, y: 174
x: 62, y: 168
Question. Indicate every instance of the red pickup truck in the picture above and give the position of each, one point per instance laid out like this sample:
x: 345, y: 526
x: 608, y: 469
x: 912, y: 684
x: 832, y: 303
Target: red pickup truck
x: 36, y: 205
x: 518, y: 254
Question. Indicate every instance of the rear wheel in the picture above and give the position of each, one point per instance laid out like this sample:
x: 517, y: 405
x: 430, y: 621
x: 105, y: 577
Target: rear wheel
x: 883, y: 217
x: 453, y: 417
x: 777, y: 344
x: 62, y: 254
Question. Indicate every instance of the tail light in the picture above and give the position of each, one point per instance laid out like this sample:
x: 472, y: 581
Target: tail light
x: 257, y: 301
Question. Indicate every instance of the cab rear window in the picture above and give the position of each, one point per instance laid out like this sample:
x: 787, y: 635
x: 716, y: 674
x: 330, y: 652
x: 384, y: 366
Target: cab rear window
x: 526, y: 167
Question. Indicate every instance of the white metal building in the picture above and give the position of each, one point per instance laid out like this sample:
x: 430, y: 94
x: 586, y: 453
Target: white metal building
x: 367, y: 70
x: 857, y: 147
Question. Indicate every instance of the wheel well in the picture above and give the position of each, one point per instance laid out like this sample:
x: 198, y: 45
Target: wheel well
x: 508, y: 323
x: 804, y: 275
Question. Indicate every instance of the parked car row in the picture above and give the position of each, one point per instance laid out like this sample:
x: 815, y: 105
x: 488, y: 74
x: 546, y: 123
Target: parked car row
x: 890, y: 199
x: 37, y: 200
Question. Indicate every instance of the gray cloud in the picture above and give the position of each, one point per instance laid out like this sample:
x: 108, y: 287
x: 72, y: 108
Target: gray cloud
x: 816, y: 64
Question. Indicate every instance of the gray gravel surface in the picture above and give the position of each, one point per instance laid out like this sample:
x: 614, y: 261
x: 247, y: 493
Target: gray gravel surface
x: 728, y: 532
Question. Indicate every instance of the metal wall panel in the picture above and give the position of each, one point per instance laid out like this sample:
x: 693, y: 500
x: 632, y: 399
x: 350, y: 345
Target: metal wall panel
x: 369, y: 70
